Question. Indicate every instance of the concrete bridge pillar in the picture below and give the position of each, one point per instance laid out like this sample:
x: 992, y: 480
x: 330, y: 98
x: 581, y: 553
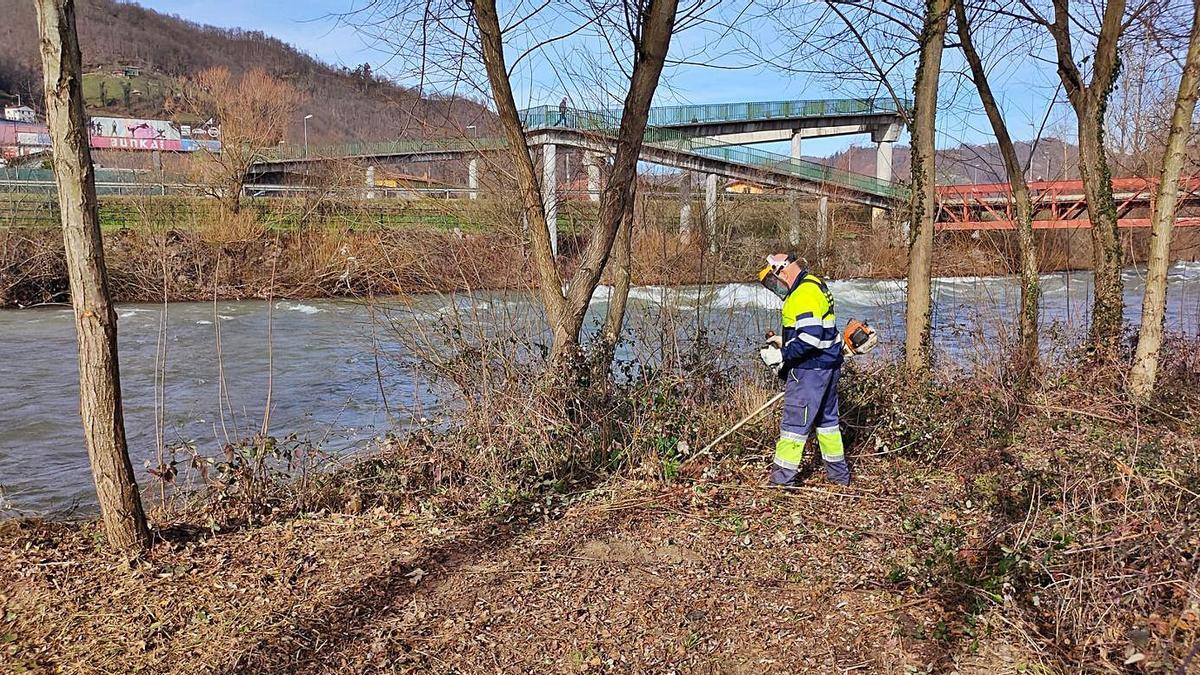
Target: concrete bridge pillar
x: 550, y: 192
x: 885, y: 140
x: 794, y: 199
x: 710, y: 210
x: 822, y: 223
x: 370, y: 182
x: 592, y: 163
x: 473, y: 178
x: 685, y: 206
x: 883, y: 160
x: 883, y: 171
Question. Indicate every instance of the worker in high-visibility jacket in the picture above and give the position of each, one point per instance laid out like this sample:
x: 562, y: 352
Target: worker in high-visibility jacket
x: 810, y: 362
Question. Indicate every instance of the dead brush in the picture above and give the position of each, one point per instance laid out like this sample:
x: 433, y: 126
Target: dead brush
x: 32, y: 267
x: 225, y: 227
x: 1100, y: 565
x: 1078, y: 538
x: 248, y: 481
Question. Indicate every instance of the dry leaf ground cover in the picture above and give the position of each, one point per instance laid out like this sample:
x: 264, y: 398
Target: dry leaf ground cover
x: 632, y: 576
x: 1065, y: 543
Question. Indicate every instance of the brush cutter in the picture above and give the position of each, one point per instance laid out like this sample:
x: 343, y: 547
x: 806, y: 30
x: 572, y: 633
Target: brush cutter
x: 858, y: 338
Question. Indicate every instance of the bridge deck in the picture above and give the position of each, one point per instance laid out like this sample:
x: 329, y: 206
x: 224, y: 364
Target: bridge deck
x: 664, y: 134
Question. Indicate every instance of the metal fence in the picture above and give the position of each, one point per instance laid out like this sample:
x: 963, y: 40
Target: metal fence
x: 108, y: 181
x: 191, y: 213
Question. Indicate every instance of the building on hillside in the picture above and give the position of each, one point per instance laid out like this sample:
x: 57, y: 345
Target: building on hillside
x: 20, y: 113
x: 742, y: 187
x: 397, y: 179
x: 22, y: 138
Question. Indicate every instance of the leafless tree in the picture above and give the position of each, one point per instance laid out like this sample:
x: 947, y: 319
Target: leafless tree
x: 448, y: 41
x: 918, y: 327
x: 254, y: 110
x: 1138, y: 117
x: 95, y: 319
x: 621, y: 265
x: 1091, y: 35
x: 1145, y: 363
x: 1026, y: 357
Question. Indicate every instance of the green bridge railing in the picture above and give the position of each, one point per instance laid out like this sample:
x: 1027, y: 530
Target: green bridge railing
x: 679, y: 115
x: 709, y: 113
x: 800, y: 168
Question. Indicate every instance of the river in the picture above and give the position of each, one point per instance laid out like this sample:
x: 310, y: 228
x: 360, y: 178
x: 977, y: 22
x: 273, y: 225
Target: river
x: 331, y: 365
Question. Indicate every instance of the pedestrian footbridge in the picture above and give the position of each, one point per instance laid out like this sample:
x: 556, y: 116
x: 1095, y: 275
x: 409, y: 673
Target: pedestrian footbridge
x: 711, y: 138
x: 714, y: 140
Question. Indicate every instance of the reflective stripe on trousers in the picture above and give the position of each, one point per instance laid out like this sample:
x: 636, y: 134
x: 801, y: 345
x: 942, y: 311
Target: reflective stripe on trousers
x: 810, y: 403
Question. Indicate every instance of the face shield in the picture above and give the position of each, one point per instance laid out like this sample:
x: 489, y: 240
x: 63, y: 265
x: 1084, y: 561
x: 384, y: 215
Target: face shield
x: 769, y: 278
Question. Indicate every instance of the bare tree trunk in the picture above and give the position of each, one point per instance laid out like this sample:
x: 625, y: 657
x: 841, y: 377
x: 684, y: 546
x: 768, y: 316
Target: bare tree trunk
x: 550, y: 282
x: 652, y: 25
x: 1108, y: 301
x: 616, y: 202
x: 233, y: 197
x: 1154, y: 302
x: 1026, y: 359
x: 1090, y: 101
x: 917, y: 346
x: 95, y: 320
x: 620, y: 264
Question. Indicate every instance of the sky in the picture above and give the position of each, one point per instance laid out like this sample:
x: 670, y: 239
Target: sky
x: 1025, y: 86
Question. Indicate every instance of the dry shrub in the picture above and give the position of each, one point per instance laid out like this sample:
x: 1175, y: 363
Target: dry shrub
x: 32, y: 267
x: 225, y: 227
x: 880, y: 255
x: 1078, y: 535
x: 1098, y: 560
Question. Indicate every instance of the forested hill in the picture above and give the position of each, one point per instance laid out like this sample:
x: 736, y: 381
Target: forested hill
x: 346, y: 103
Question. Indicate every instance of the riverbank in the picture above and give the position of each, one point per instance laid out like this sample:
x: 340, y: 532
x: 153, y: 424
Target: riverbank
x: 243, y: 260
x: 982, y: 534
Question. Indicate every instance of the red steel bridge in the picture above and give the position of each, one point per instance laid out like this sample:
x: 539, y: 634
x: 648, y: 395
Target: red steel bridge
x: 1058, y: 204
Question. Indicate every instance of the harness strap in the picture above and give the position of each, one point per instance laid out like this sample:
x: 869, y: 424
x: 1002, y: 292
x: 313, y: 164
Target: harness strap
x: 824, y: 287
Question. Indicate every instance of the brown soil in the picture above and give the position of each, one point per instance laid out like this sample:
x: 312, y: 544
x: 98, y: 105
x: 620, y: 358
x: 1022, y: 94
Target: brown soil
x: 635, y: 577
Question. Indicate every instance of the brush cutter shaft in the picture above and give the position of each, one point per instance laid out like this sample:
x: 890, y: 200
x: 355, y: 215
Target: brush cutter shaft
x: 757, y: 411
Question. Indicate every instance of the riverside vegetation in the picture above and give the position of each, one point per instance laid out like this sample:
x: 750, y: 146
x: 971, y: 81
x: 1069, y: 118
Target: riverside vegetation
x: 986, y: 532
x: 554, y: 515
x: 179, y: 248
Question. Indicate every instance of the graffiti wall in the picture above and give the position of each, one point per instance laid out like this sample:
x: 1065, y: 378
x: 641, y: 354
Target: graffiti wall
x: 116, y: 133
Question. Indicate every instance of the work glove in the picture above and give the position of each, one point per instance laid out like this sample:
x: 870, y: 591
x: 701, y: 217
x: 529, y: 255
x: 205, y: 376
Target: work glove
x: 772, y: 353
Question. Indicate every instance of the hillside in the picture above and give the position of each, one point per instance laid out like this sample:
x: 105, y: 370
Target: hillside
x: 347, y: 104
x: 1053, y: 159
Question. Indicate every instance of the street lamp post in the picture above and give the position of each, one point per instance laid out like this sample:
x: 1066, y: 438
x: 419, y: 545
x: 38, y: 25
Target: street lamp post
x: 306, y: 119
